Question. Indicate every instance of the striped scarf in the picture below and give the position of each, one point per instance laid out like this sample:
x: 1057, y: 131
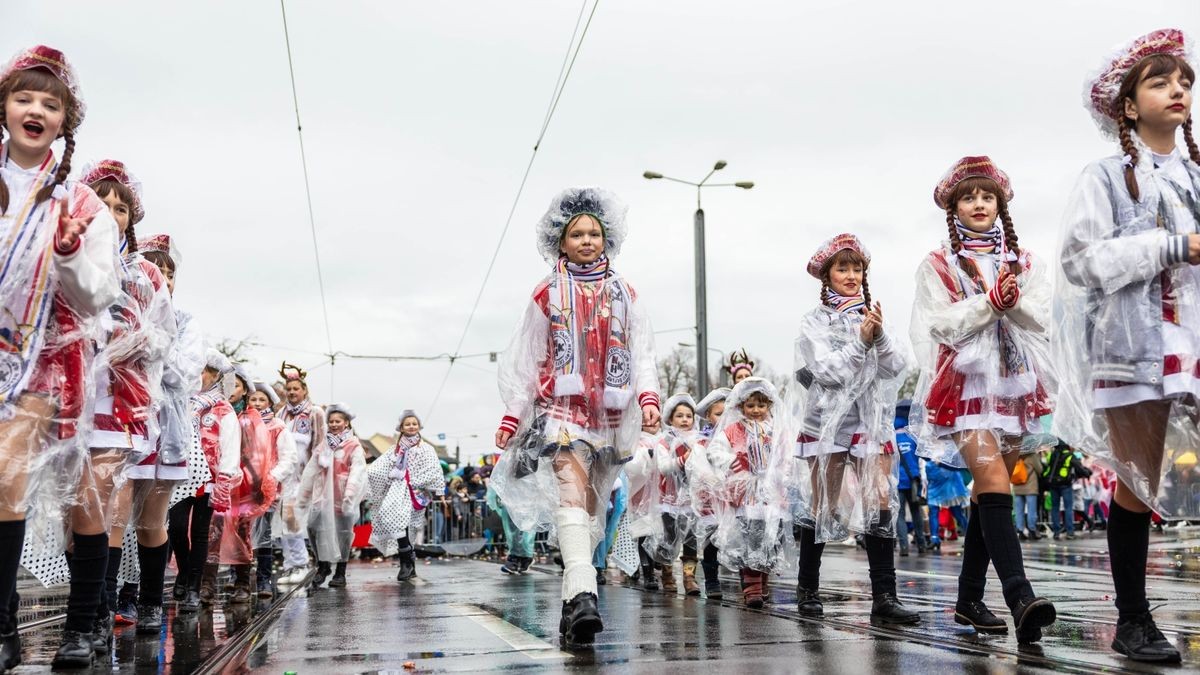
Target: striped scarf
x: 758, y: 445
x: 567, y: 285
x: 335, y: 441
x: 26, y: 289
x: 853, y: 304
x: 267, y: 414
x: 991, y: 241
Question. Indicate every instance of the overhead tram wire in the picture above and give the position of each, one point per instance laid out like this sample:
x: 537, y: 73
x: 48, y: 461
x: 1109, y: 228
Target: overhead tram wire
x: 312, y: 221
x: 560, y: 85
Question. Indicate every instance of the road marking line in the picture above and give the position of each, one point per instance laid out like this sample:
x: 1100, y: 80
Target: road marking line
x: 516, y: 637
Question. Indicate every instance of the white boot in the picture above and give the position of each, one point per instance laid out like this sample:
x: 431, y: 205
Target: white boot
x: 575, y: 545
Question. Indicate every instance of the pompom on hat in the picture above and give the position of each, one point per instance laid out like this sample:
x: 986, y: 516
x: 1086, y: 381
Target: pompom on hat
x: 597, y: 202
x: 164, y: 244
x: 54, y: 62
x: 830, y: 248
x: 1100, y: 90
x: 115, y: 170
x: 970, y: 167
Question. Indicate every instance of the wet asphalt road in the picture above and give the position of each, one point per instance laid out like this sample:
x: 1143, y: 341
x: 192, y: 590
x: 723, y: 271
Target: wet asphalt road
x: 463, y: 615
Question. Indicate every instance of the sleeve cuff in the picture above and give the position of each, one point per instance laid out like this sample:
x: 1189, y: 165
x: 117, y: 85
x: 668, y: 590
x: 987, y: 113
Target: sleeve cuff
x: 1174, y: 250
x: 70, y: 250
x: 883, y: 342
x: 649, y: 398
x: 509, y: 424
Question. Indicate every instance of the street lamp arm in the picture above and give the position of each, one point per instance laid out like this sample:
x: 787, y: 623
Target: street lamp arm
x: 677, y: 180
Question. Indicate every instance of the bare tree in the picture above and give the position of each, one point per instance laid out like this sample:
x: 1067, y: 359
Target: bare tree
x: 677, y: 372
x: 237, y: 351
x: 910, y: 385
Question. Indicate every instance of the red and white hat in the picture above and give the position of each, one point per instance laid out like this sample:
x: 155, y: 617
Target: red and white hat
x: 112, y: 169
x: 830, y: 248
x: 161, y: 243
x: 52, y: 60
x: 1100, y: 90
x: 970, y: 167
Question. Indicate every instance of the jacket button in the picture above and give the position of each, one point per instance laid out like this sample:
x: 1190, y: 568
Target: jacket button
x: 1154, y: 380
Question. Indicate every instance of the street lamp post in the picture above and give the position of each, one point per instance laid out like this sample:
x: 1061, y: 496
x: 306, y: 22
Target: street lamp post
x: 701, y: 285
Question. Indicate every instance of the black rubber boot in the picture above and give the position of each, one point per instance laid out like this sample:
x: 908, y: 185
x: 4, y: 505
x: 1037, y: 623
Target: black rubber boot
x: 808, y: 602
x: 12, y: 537
x: 265, y: 560
x: 324, y: 569
x: 191, y: 598
x: 809, y: 576
x: 407, y: 557
x: 339, y: 576
x: 150, y: 619
x: 102, y: 632
x: 580, y: 621
x: 10, y: 649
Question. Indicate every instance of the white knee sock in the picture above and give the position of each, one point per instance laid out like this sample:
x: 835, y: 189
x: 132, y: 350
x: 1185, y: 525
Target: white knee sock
x: 575, y: 545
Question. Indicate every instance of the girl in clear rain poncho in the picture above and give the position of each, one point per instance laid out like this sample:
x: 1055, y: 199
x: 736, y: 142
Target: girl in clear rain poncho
x: 1128, y: 308
x: 129, y: 398
x: 58, y: 243
x: 708, y: 412
x: 403, y: 482
x: 579, y: 381
x: 849, y: 370
x: 252, y: 490
x: 643, y: 513
x: 745, y: 466
x: 283, y: 471
x: 979, y: 328
x: 674, y: 495
x: 305, y: 421
x: 333, y: 484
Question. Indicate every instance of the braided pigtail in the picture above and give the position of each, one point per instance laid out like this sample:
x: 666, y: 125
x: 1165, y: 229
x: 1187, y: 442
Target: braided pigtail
x: 1193, y: 151
x: 824, y: 287
x: 866, y: 289
x: 3, y: 185
x: 64, y: 168
x: 130, y: 238
x: 1130, y: 150
x: 955, y: 240
x: 1010, y: 236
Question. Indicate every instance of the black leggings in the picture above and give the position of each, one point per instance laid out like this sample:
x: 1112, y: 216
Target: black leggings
x: 190, y: 551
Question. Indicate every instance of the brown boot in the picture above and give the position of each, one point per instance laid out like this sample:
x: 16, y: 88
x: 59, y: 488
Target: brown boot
x: 690, y: 587
x: 242, y: 592
x: 668, y: 579
x: 752, y: 588
x: 208, y: 584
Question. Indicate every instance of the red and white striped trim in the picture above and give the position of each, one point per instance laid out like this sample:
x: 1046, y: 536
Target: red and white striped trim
x: 649, y: 398
x: 509, y: 424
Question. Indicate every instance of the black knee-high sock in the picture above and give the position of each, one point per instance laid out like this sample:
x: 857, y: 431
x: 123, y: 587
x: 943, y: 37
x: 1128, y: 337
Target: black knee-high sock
x: 178, y: 519
x: 1128, y: 541
x: 12, y: 538
x: 108, y: 598
x: 153, y: 561
x: 995, y: 515
x: 975, y: 560
x: 881, y: 560
x: 88, y: 564
x: 809, y: 577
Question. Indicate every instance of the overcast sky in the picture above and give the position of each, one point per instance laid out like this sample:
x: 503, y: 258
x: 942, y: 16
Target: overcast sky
x: 419, y: 118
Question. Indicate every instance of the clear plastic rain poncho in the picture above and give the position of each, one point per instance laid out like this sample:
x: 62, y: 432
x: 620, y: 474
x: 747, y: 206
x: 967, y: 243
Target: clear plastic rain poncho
x: 51, y: 320
x: 1127, y: 326
x: 674, y: 493
x: 985, y: 375
x: 403, y: 482
x: 746, y: 466
x: 642, y: 514
x: 333, y: 484
x: 845, y: 400
x: 575, y: 376
x: 252, y: 492
x: 306, y: 424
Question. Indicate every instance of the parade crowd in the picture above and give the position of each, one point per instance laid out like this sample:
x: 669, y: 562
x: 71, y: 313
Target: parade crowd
x: 125, y: 442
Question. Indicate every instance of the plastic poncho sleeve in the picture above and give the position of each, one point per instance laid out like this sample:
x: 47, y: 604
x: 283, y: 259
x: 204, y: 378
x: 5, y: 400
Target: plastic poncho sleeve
x: 285, y: 452
x: 185, y: 360
x: 830, y: 367
x: 1032, y: 311
x: 642, y: 345
x: 87, y: 276
x: 356, y: 482
x: 231, y: 445
x: 665, y: 457
x: 1091, y: 255
x: 520, y: 364
x: 936, y: 316
x: 425, y: 471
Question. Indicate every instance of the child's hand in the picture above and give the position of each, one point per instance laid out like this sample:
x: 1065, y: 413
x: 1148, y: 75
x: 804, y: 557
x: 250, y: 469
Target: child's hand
x: 70, y: 230
x: 866, y: 331
x: 502, y: 436
x: 650, y: 415
x: 1193, y: 249
x: 877, y: 313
